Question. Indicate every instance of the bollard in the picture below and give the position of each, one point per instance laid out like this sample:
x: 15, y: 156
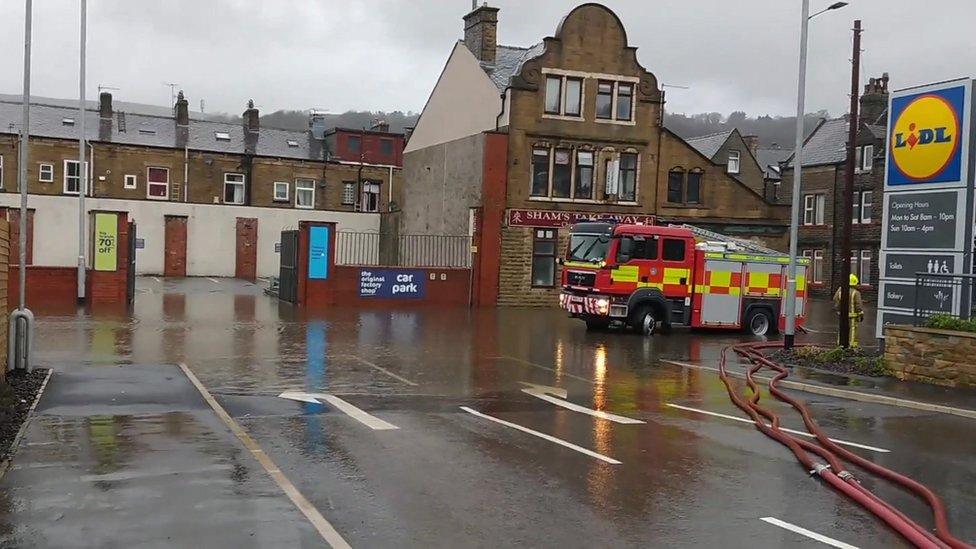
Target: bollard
x: 20, y: 340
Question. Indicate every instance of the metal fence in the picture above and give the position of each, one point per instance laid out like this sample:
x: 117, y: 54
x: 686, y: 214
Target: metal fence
x: 943, y: 294
x: 416, y: 250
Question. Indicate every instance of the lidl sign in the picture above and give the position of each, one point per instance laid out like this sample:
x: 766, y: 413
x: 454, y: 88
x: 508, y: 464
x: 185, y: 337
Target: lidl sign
x: 925, y: 136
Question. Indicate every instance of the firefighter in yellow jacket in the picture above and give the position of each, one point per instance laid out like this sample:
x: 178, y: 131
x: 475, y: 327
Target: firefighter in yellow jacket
x: 857, y: 308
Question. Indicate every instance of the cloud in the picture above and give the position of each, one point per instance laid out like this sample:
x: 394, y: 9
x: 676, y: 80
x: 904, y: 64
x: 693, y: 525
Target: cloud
x: 387, y: 54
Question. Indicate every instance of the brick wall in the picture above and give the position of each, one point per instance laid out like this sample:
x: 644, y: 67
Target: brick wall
x: 515, y: 274
x: 4, y: 280
x: 205, y: 171
x: 932, y: 356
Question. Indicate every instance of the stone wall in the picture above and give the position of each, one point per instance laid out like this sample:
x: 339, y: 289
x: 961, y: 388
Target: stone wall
x: 515, y: 270
x: 932, y: 356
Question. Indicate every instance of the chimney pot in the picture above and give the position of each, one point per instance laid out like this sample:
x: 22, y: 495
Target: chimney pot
x: 480, y: 28
x: 182, y: 109
x: 252, y: 118
x: 105, y: 105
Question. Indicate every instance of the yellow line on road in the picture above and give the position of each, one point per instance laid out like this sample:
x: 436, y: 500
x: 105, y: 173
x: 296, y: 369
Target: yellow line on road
x: 324, y: 527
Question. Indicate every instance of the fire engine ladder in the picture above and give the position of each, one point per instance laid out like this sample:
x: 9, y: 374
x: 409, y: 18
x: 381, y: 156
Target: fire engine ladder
x: 744, y: 244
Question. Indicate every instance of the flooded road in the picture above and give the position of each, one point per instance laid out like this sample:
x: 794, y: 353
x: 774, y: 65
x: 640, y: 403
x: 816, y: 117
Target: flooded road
x: 512, y: 427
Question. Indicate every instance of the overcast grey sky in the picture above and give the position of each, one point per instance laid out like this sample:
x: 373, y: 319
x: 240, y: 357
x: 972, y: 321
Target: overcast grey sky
x: 387, y: 54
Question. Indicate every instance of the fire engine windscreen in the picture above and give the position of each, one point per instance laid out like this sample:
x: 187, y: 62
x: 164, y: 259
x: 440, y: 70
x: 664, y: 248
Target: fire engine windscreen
x: 588, y: 247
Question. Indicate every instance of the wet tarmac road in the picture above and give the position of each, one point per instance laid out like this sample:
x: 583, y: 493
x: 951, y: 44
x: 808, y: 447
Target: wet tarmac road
x: 448, y: 477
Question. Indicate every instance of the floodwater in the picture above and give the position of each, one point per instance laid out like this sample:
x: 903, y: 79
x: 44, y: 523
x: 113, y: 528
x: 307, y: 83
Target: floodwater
x: 465, y: 465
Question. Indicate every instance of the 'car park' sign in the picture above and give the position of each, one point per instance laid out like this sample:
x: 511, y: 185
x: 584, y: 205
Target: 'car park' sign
x: 392, y: 283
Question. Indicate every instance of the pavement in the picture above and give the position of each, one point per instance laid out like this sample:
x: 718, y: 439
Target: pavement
x: 432, y: 428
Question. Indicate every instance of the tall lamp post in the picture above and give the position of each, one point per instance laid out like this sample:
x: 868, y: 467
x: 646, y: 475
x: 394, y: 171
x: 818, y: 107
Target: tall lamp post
x: 805, y: 17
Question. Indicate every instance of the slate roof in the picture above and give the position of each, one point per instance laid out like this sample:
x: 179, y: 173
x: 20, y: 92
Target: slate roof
x: 709, y: 144
x: 827, y: 144
x: 161, y: 131
x: 769, y: 160
x: 880, y: 132
x: 508, y: 63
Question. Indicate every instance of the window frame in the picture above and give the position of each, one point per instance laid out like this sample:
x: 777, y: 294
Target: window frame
x: 577, y: 173
x: 64, y: 177
x: 569, y: 165
x: 348, y: 186
x: 611, y: 95
x: 548, y: 165
x: 40, y: 172
x: 566, y: 96
x: 816, y: 257
x: 867, y: 158
x: 366, y: 189
x: 620, y: 176
x: 700, y: 173
x: 2, y: 171
x: 558, y: 79
x: 867, y: 200
x: 814, y: 204
x: 386, y: 142
x: 737, y: 159
x: 536, y: 238
x: 303, y: 184
x: 865, y: 256
x: 684, y: 250
x: 130, y: 177
x: 274, y: 191
x: 350, y: 139
x: 223, y: 196
x: 616, y: 101
x: 150, y: 184
x: 680, y: 172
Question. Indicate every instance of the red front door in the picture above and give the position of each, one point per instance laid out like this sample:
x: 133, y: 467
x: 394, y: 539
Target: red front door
x: 174, y: 260
x: 246, y: 266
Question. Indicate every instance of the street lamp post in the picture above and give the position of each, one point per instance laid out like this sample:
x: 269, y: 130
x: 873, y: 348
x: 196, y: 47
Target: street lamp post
x: 82, y: 169
x: 801, y: 88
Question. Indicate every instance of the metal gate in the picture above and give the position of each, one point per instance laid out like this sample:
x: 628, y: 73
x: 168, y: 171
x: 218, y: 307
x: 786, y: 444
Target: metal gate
x: 288, y: 267
x: 130, y: 279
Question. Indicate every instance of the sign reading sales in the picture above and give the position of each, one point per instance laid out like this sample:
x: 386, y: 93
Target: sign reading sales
x: 555, y: 218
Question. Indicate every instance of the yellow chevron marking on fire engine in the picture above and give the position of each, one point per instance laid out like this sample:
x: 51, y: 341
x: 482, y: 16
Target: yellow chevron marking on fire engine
x: 625, y: 274
x: 656, y: 285
x: 673, y: 276
x: 721, y: 279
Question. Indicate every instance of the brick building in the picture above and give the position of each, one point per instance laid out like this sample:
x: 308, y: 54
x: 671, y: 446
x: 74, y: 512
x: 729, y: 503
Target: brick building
x: 824, y: 172
x: 137, y: 160
x: 516, y: 143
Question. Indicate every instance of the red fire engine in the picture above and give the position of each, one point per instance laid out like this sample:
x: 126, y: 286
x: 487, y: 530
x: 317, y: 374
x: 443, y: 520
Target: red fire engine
x: 648, y: 276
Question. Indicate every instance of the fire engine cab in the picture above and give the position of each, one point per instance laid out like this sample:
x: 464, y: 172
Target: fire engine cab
x: 649, y: 277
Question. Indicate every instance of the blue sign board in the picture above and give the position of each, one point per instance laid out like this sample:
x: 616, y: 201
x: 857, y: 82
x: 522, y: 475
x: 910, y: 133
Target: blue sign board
x: 392, y: 283
x: 318, y: 253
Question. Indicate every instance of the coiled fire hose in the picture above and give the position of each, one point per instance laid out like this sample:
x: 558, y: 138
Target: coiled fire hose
x: 834, y: 472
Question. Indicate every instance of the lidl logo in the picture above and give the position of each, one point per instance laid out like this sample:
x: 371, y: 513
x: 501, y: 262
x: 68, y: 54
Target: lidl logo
x: 924, y: 144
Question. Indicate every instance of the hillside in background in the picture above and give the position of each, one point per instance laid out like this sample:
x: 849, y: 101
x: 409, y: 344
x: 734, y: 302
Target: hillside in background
x: 772, y: 130
x: 298, y: 120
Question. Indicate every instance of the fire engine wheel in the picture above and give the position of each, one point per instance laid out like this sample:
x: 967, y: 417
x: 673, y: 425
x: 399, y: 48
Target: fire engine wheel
x: 645, y: 322
x: 759, y: 322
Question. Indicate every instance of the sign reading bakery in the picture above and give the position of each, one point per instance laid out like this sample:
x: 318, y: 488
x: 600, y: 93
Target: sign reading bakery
x: 554, y: 218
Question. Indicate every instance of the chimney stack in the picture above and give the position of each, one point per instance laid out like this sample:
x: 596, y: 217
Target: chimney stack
x: 317, y: 124
x: 480, y: 27
x: 182, y: 109
x: 105, y: 105
x: 752, y: 141
x: 252, y: 118
x: 379, y: 125
x: 874, y: 100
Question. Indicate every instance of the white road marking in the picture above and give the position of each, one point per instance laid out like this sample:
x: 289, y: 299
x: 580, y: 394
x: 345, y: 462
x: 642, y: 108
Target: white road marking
x: 544, y: 436
x: 214, y: 280
x: 541, y: 367
x: 156, y: 278
x: 543, y: 392
x: 804, y: 532
x: 323, y: 526
x: 379, y: 368
x: 372, y: 422
x: 844, y: 393
x: 795, y: 432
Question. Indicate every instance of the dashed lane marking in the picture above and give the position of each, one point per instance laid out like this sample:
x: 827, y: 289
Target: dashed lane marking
x: 214, y: 280
x: 323, y: 526
x: 844, y: 393
x: 804, y: 532
x: 543, y: 392
x: 381, y: 369
x: 541, y: 367
x: 784, y: 429
x: 544, y: 436
x: 368, y: 420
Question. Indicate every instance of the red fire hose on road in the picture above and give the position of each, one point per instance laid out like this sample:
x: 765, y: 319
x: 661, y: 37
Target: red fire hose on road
x: 834, y: 472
